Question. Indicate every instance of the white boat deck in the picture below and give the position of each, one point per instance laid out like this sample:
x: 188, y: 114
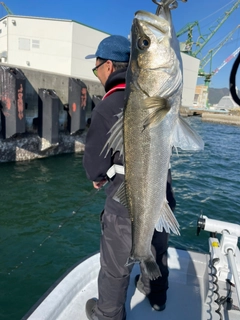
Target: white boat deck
x: 190, y: 294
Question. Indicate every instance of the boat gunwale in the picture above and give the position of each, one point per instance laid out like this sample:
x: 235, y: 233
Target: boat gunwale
x: 54, y: 285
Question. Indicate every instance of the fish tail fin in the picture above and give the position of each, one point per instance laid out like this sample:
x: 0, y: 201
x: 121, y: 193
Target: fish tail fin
x: 149, y: 265
x: 151, y: 268
x: 167, y: 220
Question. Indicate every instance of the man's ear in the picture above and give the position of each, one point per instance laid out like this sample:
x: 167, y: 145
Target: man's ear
x: 110, y: 67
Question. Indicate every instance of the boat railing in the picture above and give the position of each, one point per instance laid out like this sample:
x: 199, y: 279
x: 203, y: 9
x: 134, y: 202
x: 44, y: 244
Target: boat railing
x: 225, y: 255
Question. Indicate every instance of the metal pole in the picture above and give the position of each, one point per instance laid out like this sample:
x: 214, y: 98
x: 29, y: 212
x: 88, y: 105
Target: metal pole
x: 234, y: 272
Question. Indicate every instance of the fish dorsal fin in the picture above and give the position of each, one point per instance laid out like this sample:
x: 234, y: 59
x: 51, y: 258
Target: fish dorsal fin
x: 167, y: 220
x: 120, y: 195
x: 115, y: 141
x: 158, y: 108
x: 185, y: 138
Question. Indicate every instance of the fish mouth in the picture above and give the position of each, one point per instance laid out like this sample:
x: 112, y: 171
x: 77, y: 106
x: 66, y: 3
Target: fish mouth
x: 158, y: 22
x: 146, y: 14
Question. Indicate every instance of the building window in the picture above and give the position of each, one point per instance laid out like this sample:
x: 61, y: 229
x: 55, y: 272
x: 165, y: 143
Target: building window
x: 35, y: 44
x: 23, y: 44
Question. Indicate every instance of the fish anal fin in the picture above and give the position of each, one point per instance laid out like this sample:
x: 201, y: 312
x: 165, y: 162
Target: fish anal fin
x: 158, y: 108
x: 167, y: 220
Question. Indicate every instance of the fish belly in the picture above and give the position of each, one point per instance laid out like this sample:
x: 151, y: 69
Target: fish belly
x: 147, y: 154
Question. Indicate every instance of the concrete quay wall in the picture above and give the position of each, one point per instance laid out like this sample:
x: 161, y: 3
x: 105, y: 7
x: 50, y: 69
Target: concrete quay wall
x: 232, y: 117
x: 221, y: 118
x: 29, y: 145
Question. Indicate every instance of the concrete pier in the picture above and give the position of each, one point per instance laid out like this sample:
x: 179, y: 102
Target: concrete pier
x: 231, y: 117
x: 221, y: 118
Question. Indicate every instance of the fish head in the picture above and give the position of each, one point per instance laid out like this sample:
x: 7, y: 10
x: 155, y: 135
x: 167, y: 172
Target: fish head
x: 155, y: 64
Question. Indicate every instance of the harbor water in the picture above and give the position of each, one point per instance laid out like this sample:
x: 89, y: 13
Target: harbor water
x: 49, y: 213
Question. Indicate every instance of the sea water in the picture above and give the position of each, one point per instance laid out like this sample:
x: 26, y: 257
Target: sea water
x: 49, y: 214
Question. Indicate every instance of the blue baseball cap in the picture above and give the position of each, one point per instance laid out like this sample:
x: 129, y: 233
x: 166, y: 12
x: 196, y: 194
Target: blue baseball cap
x: 115, y: 48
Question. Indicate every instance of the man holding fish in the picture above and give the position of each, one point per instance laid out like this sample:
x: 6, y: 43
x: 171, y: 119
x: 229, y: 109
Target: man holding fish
x: 129, y: 144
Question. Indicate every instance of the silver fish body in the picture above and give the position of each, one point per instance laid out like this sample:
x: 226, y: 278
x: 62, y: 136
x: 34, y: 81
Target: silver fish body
x: 154, y: 89
x: 151, y: 127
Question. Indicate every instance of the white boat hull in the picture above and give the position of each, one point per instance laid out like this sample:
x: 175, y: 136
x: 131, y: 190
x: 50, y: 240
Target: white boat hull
x: 190, y: 294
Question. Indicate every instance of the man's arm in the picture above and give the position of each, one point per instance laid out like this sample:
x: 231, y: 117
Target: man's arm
x: 96, y: 165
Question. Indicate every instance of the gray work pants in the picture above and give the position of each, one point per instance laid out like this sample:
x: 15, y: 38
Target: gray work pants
x: 114, y: 276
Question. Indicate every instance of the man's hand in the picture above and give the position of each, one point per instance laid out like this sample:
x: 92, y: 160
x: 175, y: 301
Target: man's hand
x: 99, y: 184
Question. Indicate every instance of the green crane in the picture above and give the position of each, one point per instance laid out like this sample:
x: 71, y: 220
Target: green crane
x: 208, y: 57
x: 6, y: 8
x: 187, y: 45
x: 208, y: 76
x: 203, y: 39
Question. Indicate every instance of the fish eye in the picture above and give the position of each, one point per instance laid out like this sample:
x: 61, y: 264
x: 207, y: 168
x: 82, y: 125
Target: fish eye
x: 143, y: 43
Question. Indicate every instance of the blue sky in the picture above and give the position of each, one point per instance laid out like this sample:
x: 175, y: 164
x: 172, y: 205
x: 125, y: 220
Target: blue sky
x: 115, y: 17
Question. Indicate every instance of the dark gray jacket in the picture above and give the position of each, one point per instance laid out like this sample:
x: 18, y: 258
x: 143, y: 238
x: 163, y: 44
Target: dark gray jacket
x: 102, y: 120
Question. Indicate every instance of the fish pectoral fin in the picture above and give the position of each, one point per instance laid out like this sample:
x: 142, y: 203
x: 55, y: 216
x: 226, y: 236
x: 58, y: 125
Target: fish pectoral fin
x: 167, y: 220
x: 185, y: 138
x: 115, y: 141
x: 120, y: 195
x: 158, y: 108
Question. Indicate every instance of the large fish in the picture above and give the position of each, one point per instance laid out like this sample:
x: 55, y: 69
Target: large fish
x: 151, y: 128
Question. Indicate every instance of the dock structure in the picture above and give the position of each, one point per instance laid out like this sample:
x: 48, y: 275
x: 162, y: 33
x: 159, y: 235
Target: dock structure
x: 231, y: 117
x: 43, y: 114
x: 221, y: 118
x: 47, y: 87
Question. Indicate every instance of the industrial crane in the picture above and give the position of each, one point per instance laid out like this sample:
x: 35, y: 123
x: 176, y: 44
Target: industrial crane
x: 203, y: 39
x: 187, y: 45
x: 6, y: 8
x: 208, y: 57
x: 227, y: 60
x: 208, y: 76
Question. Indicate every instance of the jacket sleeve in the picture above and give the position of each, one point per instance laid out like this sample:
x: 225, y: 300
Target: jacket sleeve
x: 96, y: 165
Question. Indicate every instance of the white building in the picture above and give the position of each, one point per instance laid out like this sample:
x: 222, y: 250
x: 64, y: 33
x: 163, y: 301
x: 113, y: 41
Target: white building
x: 51, y: 45
x: 190, y: 76
x: 226, y: 103
x: 60, y: 46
